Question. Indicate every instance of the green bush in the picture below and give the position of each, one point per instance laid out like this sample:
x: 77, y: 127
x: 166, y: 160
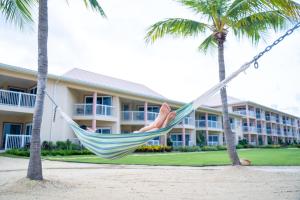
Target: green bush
x: 243, y: 142
x: 154, y: 148
x: 221, y: 147
x: 26, y: 152
x: 271, y: 146
x: 209, y: 148
x: 239, y: 146
x: 187, y: 149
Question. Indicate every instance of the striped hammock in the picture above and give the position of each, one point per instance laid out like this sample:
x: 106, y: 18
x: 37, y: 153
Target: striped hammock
x: 115, y: 146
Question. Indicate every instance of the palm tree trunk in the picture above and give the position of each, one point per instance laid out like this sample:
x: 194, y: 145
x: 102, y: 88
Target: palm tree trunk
x: 34, y: 171
x: 229, y: 135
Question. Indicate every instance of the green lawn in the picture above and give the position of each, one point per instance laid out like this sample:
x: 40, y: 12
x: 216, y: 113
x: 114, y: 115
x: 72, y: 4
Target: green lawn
x: 263, y: 157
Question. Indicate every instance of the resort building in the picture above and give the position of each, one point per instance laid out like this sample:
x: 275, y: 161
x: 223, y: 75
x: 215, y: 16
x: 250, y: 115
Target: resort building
x: 108, y: 106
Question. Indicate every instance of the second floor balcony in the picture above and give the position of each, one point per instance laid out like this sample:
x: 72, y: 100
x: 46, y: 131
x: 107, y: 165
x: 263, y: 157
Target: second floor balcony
x: 138, y: 116
x: 86, y: 110
x: 16, y: 100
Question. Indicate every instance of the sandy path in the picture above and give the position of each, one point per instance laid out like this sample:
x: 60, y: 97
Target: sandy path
x: 91, y: 181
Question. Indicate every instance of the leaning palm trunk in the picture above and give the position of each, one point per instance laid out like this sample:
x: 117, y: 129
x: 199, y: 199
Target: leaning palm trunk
x: 229, y: 135
x: 35, y: 164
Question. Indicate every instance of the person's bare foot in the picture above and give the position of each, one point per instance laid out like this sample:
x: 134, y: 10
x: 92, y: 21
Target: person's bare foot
x: 169, y: 118
x: 163, y: 113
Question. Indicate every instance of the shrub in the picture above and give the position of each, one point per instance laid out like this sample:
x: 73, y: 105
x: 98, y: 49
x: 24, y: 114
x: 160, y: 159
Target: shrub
x: 187, y: 149
x: 209, y: 148
x: 243, y: 142
x: 26, y: 152
x: 221, y: 147
x: 239, y: 146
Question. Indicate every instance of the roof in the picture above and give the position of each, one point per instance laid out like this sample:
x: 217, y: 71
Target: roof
x: 107, y: 81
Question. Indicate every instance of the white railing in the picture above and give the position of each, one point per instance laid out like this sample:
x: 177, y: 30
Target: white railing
x: 87, y: 109
x: 151, y: 116
x: 251, y: 129
x: 83, y: 109
x: 177, y: 143
x: 214, y: 124
x: 212, y: 143
x: 273, y: 118
x: 153, y: 142
x: 104, y: 110
x: 16, y: 141
x: 188, y: 121
x: 200, y: 123
x: 19, y: 99
x: 133, y: 115
x: 252, y: 113
x: 241, y: 112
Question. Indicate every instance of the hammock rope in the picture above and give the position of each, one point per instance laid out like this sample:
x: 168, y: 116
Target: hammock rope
x: 114, y: 146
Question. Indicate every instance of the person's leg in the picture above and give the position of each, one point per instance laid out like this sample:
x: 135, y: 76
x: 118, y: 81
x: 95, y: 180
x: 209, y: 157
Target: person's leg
x: 163, y: 113
x: 169, y: 118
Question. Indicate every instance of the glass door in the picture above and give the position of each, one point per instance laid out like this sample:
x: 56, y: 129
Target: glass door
x: 11, y: 129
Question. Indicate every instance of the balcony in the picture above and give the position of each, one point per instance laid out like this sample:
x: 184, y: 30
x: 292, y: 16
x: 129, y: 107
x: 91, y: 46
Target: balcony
x: 180, y: 143
x: 214, y: 124
x: 250, y: 113
x: 273, y: 119
x: 241, y: 112
x: 10, y: 100
x: 200, y: 123
x: 137, y: 116
x: 85, y: 111
x: 250, y: 129
x: 268, y: 118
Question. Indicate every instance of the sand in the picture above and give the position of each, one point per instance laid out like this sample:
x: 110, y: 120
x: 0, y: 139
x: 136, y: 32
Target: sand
x: 92, y: 181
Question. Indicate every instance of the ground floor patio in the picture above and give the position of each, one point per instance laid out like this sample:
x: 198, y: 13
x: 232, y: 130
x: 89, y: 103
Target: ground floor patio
x: 91, y: 181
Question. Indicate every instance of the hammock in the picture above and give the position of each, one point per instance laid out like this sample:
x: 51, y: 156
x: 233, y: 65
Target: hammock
x: 115, y: 146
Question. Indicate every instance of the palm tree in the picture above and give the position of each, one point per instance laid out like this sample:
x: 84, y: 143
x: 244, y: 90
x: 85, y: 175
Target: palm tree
x: 34, y: 171
x: 17, y: 11
x: 249, y: 18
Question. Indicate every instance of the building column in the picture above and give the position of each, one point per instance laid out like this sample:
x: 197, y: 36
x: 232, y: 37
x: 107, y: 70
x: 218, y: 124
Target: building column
x: 206, y: 127
x: 94, y: 121
x: 183, y: 136
x: 249, y: 138
x: 265, y: 139
x: 146, y: 113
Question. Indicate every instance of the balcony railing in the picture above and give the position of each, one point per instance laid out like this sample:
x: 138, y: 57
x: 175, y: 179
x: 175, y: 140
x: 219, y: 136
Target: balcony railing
x: 151, y: 116
x: 213, y: 143
x: 16, y: 141
x: 250, y: 113
x: 180, y: 143
x: 87, y: 110
x: 153, y: 142
x: 19, y: 99
x: 241, y: 112
x: 138, y: 116
x: 268, y: 118
x: 188, y: 121
x: 214, y: 124
x: 251, y: 129
x: 273, y: 118
x: 200, y: 123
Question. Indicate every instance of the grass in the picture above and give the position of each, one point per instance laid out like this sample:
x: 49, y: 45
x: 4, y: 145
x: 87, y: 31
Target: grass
x: 259, y: 157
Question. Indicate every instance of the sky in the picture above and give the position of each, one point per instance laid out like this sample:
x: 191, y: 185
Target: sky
x: 81, y: 38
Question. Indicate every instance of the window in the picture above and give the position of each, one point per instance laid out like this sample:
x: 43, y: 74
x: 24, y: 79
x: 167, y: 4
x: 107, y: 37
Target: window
x: 33, y: 90
x: 15, y: 89
x: 213, y: 140
x: 212, y: 117
x: 103, y: 100
x: 11, y: 129
x: 149, y: 108
x: 104, y: 130
x: 28, y: 129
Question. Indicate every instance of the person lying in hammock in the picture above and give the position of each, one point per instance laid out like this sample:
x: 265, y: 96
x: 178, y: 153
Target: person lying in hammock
x: 164, y: 117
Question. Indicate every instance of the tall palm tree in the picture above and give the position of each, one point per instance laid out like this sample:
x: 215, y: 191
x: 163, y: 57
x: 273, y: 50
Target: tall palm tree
x: 17, y: 11
x: 34, y: 171
x: 249, y: 18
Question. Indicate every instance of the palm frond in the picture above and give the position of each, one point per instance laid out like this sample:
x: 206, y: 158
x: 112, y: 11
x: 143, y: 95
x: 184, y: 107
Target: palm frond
x: 176, y: 27
x: 17, y: 11
x: 256, y: 25
x: 94, y: 6
x: 208, y: 44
